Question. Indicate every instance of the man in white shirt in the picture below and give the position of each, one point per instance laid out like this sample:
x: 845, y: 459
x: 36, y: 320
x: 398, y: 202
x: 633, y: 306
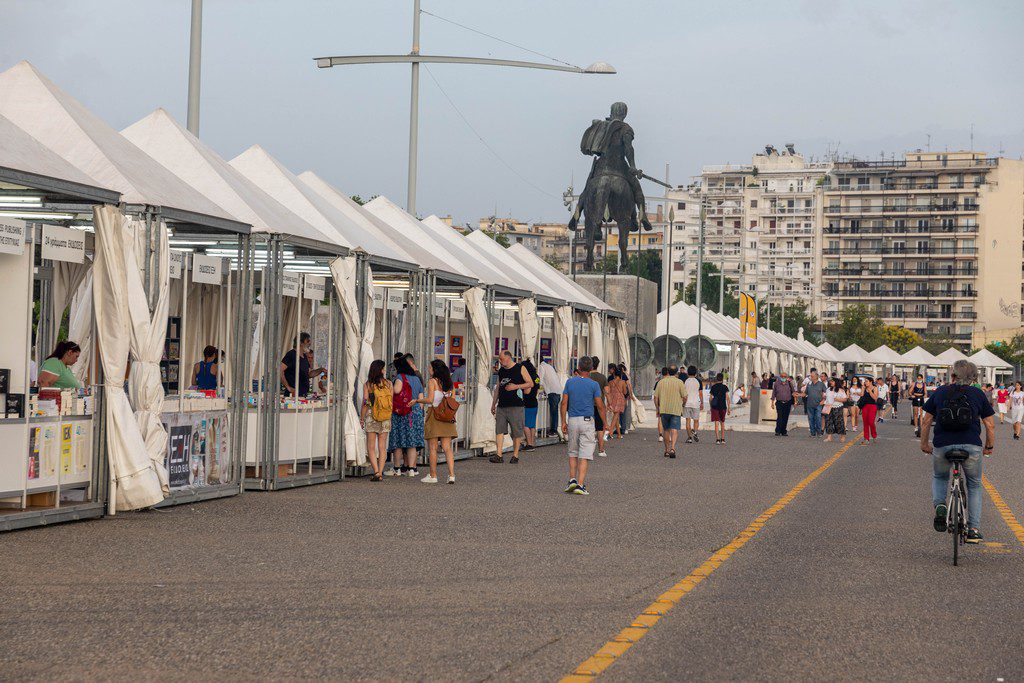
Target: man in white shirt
x: 553, y: 386
x: 694, y: 404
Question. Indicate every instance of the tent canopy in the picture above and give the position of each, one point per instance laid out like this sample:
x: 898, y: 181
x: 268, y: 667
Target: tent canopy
x: 546, y: 271
x: 486, y: 270
x: 682, y: 323
x: 884, y: 355
x: 986, y: 359
x: 36, y: 105
x: 185, y: 155
x: 950, y: 356
x: 918, y: 356
x: 854, y: 354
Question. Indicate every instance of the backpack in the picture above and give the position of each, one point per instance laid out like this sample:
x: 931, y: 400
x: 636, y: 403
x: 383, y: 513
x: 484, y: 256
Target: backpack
x: 445, y: 410
x: 383, y: 401
x: 401, y: 405
x: 956, y: 413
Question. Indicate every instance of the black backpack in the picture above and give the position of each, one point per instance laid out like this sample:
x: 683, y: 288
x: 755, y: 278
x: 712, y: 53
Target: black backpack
x: 956, y: 413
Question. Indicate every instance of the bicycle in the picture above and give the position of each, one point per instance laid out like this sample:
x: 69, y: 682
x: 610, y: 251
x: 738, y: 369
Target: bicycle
x: 956, y: 502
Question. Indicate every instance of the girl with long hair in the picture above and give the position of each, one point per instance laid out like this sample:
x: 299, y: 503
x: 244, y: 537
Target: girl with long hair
x: 855, y: 391
x: 406, y: 427
x: 439, y: 388
x: 375, y: 389
x: 56, y: 369
x: 869, y: 410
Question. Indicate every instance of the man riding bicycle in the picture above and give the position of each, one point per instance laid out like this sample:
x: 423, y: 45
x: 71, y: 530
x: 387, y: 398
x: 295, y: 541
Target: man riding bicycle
x: 958, y: 411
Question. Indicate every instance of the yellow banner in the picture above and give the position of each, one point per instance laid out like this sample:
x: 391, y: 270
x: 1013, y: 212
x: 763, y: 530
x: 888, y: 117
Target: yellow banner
x: 748, y: 317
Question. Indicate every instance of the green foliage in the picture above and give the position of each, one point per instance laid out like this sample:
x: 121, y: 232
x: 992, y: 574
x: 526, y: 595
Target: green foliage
x: 1012, y: 351
x: 710, y: 286
x: 798, y: 315
x: 857, y: 325
x: 360, y: 201
x: 899, y: 339
x: 499, y: 237
x: 554, y: 262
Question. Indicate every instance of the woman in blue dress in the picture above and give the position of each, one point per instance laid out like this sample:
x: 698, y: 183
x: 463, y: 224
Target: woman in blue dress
x: 406, y: 427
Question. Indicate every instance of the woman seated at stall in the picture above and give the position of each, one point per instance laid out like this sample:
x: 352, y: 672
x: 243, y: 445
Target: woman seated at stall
x: 204, y: 373
x: 56, y: 369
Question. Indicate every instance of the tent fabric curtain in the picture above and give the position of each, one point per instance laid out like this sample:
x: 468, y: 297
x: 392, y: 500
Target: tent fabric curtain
x: 148, y: 331
x: 201, y: 326
x: 622, y: 340
x: 481, y: 425
x: 366, y: 355
x: 289, y: 325
x: 596, y: 338
x: 67, y: 279
x: 80, y: 327
x: 343, y: 272
x: 563, y: 341
x: 136, y: 482
x: 529, y: 327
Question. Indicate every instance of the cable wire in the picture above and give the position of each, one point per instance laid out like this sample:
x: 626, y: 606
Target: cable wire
x: 500, y: 40
x: 484, y: 142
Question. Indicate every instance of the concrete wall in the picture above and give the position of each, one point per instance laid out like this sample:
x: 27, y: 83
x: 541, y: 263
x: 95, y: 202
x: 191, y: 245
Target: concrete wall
x: 621, y: 296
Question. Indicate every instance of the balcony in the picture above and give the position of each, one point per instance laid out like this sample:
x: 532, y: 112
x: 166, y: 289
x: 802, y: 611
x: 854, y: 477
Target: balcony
x: 929, y: 164
x: 907, y: 294
x: 939, y: 207
x: 902, y: 230
x: 926, y: 315
x: 918, y: 251
x: 850, y: 271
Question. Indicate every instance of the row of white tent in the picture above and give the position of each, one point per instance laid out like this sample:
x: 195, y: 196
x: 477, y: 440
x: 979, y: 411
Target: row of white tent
x: 774, y: 351
x: 157, y: 162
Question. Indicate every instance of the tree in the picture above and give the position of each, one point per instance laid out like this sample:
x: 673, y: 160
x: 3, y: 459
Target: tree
x: 499, y: 237
x: 710, y: 288
x: 360, y: 201
x: 899, y: 339
x: 798, y: 316
x: 1012, y: 351
x: 858, y: 325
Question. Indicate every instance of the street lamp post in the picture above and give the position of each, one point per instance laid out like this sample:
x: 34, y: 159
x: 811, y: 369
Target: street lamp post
x: 670, y: 261
x: 415, y: 59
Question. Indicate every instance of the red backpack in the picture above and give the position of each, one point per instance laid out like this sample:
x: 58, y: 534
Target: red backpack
x: 402, y: 406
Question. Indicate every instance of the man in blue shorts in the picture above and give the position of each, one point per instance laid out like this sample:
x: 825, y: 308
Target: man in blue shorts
x: 669, y: 399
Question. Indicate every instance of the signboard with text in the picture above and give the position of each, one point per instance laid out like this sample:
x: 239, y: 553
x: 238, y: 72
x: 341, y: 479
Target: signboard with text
x: 63, y: 244
x: 207, y: 269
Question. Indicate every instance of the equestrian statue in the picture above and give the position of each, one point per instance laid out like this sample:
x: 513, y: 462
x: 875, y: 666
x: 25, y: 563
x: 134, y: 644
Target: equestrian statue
x: 613, y: 191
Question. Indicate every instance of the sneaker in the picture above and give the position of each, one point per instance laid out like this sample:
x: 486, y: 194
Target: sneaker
x: 528, y: 447
x: 941, y: 511
x: 696, y: 439
x: 514, y: 460
x: 602, y: 454
x: 571, y: 486
x: 496, y: 458
x: 581, y: 490
x: 392, y: 473
x: 413, y: 472
x: 974, y: 536
x: 607, y: 436
x: 429, y: 479
x: 451, y: 479
x: 689, y: 439
x: 660, y: 438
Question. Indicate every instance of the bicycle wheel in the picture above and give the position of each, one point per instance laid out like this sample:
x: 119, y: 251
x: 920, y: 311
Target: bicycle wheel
x: 954, y: 527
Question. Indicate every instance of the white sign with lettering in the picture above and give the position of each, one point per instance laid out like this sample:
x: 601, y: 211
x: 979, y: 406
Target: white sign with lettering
x: 495, y: 317
x: 290, y: 283
x: 546, y: 323
x: 378, y: 298
x: 12, y: 236
x: 177, y: 264
x: 314, y: 287
x: 458, y: 309
x: 576, y: 328
x: 207, y: 269
x: 585, y: 329
x: 439, y: 307
x: 509, y: 318
x: 63, y: 244
x: 396, y: 299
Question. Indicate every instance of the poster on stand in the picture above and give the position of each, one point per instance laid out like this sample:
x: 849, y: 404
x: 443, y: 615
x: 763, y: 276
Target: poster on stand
x: 456, y: 344
x: 439, y: 346
x: 500, y: 345
x: 545, y: 348
x: 196, y: 449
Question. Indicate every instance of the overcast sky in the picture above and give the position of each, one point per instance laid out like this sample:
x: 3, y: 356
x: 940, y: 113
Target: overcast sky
x: 706, y: 82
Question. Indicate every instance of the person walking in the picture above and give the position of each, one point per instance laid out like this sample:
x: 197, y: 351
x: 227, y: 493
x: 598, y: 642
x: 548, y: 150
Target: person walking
x: 883, y: 395
x: 599, y: 419
x: 507, y: 406
x: 894, y: 397
x: 833, y: 407
x: 719, y: 403
x: 918, y: 391
x: 661, y: 430
x: 530, y: 406
x: 856, y: 392
x: 1016, y: 408
x: 783, y: 392
x: 626, y: 420
x: 814, y: 394
x: 868, y: 406
x: 694, y: 404
x: 1002, y: 401
x: 617, y: 397
x: 375, y: 417
x: 552, y: 385
x: 945, y: 407
x: 669, y: 398
x: 581, y: 400
x: 439, y: 427
x: 406, y: 435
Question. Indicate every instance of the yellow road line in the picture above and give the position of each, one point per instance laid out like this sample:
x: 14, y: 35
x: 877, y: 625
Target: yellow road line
x: 1004, y: 510
x: 610, y: 652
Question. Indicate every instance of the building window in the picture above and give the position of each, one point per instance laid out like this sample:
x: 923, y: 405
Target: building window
x: 680, y: 205
x: 753, y: 203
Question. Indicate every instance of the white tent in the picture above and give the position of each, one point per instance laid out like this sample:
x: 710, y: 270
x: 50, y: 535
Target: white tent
x: 986, y: 359
x: 854, y: 354
x: 829, y: 353
x: 546, y: 271
x: 488, y: 272
x: 884, y: 355
x: 489, y: 251
x: 918, y: 356
x: 949, y: 356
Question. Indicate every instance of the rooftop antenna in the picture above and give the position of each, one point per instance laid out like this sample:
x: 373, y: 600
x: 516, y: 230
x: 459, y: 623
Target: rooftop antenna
x: 972, y: 137
x: 929, y: 145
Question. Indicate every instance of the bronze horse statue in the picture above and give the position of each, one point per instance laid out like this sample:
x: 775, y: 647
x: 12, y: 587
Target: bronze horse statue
x: 613, y: 191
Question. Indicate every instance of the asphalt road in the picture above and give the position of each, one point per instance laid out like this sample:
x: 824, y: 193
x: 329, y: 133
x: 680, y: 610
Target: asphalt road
x: 503, y: 577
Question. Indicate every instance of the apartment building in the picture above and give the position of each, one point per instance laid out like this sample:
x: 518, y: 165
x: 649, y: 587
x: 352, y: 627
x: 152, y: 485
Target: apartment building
x: 932, y: 242
x: 762, y: 226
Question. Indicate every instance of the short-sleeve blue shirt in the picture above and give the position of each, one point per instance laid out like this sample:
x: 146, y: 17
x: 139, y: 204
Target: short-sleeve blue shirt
x: 581, y: 392
x: 972, y: 435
